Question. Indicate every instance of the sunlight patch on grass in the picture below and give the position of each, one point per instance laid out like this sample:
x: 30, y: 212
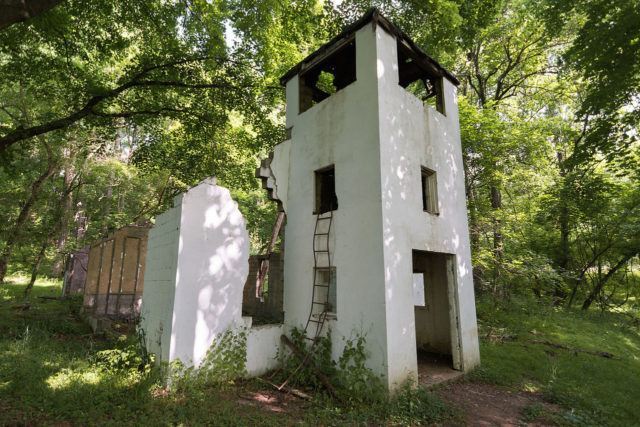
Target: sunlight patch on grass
x: 68, y: 378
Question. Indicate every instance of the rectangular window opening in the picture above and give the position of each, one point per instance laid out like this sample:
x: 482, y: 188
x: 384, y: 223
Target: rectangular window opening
x: 326, y: 199
x: 332, y: 72
x: 420, y: 78
x: 327, y: 276
x: 429, y: 186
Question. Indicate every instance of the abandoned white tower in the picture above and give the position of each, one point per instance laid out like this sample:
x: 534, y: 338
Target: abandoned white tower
x: 371, y: 180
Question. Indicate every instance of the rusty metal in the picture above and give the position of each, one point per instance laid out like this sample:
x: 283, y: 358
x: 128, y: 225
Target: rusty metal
x: 321, y: 314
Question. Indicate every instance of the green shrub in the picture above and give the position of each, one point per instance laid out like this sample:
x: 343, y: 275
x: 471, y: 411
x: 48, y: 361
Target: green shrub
x: 224, y: 362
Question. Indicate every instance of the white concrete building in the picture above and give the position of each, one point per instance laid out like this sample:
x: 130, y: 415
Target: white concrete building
x: 387, y: 168
x: 376, y: 237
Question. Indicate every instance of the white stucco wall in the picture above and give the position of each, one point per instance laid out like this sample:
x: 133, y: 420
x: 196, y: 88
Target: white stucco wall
x: 198, y: 264
x: 413, y: 135
x: 341, y: 131
x: 160, y: 273
x: 377, y: 136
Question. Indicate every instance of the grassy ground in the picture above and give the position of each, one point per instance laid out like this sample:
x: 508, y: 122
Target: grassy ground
x: 53, y: 370
x: 595, y: 390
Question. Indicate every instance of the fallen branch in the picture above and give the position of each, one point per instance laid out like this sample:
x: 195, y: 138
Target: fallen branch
x: 499, y: 338
x: 323, y: 379
x: 576, y: 350
x: 293, y: 391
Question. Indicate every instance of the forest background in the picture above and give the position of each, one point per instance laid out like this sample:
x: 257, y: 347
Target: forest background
x: 108, y: 109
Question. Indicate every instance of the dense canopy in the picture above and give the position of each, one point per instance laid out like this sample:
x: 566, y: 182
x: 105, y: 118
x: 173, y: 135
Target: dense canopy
x: 110, y: 108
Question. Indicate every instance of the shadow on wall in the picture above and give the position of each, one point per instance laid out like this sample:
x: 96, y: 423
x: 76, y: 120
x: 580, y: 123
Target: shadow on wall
x: 212, y: 270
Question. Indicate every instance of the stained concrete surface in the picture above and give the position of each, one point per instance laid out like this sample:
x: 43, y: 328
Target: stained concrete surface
x: 435, y: 369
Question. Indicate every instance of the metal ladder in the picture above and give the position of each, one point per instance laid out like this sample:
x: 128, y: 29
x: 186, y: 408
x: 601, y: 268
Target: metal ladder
x: 319, y: 306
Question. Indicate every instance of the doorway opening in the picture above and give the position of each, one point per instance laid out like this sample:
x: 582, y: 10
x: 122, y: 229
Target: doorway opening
x: 436, y: 317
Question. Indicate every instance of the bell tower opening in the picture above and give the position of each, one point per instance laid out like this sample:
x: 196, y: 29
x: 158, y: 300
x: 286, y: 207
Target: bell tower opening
x: 332, y: 70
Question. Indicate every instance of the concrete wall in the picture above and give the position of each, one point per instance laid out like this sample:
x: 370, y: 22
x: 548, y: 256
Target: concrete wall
x: 414, y: 135
x: 198, y: 266
x: 160, y: 281
x: 271, y: 308
x: 341, y: 130
x: 377, y: 136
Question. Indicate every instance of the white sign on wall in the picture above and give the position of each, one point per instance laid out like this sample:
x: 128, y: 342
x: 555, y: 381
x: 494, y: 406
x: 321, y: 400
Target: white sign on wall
x: 418, y: 289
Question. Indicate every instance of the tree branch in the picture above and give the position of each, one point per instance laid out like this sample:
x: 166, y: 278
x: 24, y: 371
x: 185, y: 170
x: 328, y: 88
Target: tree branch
x: 14, y: 11
x: 21, y: 133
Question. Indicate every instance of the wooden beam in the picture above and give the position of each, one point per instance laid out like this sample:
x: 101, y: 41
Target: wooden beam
x: 305, y: 361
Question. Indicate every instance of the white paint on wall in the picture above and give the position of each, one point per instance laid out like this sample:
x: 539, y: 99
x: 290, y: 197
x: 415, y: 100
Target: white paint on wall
x: 377, y: 136
x: 199, y: 252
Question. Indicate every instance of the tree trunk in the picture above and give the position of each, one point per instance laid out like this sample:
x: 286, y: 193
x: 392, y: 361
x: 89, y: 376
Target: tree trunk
x: 14, y: 11
x: 563, y: 256
x: 13, y: 235
x: 36, y: 267
x: 596, y: 290
x: 496, y: 205
x: 58, y: 265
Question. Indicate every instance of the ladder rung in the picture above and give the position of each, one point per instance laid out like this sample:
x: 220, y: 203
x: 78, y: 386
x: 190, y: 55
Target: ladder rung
x: 315, y: 250
x: 321, y: 234
x: 323, y: 218
x: 321, y: 286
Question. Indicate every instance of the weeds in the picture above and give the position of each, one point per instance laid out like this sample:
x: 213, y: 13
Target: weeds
x: 53, y: 370
x: 223, y: 363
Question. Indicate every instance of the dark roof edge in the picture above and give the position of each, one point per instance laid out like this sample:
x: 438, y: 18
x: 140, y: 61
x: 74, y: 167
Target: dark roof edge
x: 372, y: 15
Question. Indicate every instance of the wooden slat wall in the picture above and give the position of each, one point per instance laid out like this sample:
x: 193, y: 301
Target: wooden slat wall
x: 116, y: 273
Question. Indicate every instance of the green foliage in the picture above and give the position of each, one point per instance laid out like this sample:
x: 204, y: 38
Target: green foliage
x: 223, y: 363
x: 417, y: 406
x: 357, y: 382
x: 318, y: 355
x: 126, y: 356
x: 54, y: 371
x: 260, y: 214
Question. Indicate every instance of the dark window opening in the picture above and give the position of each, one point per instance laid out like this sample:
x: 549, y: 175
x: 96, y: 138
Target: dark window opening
x: 429, y: 191
x: 333, y: 72
x: 419, y: 77
x: 326, y: 199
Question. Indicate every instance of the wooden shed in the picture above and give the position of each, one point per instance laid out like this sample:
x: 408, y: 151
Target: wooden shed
x: 115, y: 274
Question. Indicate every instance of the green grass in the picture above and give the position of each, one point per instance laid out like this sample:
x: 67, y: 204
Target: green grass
x: 596, y: 390
x: 53, y: 370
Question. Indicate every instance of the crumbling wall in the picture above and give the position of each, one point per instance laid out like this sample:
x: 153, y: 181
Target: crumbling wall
x: 270, y: 309
x: 198, y: 266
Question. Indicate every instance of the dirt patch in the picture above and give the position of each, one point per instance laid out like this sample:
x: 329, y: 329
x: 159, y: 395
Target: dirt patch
x: 272, y: 401
x: 487, y: 405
